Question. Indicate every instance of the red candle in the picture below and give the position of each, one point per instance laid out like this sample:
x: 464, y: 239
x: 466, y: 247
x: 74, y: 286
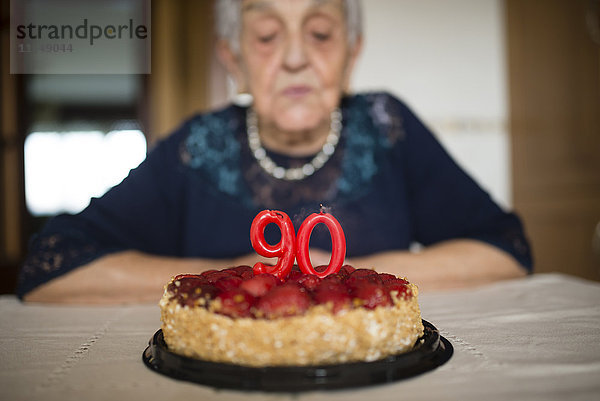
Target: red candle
x: 338, y: 243
x: 285, y: 249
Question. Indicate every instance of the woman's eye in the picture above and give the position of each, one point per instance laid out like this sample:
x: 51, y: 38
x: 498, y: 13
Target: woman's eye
x: 321, y: 36
x: 267, y: 38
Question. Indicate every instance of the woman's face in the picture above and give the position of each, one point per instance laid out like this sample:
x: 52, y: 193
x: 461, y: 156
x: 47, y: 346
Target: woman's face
x: 295, y: 60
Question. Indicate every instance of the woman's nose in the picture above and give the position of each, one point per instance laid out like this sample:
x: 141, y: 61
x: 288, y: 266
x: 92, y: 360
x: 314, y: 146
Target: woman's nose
x: 295, y: 57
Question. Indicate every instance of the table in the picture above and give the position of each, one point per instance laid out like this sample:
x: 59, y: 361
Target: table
x: 535, y: 338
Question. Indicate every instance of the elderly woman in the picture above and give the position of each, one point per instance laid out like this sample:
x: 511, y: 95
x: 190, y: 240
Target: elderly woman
x: 302, y: 142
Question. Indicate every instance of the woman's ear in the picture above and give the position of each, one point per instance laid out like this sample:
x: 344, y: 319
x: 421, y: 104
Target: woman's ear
x: 231, y: 62
x: 353, y: 54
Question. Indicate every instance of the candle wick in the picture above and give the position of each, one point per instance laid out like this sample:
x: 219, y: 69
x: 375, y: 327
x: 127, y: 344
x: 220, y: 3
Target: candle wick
x: 321, y: 208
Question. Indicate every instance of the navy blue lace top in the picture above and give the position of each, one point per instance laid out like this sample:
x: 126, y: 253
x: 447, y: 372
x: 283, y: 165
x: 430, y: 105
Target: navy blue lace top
x: 389, y: 183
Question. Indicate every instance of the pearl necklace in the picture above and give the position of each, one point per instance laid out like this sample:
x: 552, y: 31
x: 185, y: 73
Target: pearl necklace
x: 298, y: 173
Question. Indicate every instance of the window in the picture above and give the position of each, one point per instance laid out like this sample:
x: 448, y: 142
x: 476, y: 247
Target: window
x: 64, y: 170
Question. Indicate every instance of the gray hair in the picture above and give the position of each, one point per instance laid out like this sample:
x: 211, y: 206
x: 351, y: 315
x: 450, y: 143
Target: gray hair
x: 229, y: 16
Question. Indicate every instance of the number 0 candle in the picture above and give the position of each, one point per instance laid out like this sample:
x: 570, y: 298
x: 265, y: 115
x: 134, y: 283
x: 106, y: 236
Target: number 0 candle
x: 338, y: 243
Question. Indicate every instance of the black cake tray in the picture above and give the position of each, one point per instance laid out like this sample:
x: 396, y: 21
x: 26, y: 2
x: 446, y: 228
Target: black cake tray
x: 429, y: 352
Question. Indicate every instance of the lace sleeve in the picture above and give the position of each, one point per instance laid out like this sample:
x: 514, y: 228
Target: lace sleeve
x: 54, y: 252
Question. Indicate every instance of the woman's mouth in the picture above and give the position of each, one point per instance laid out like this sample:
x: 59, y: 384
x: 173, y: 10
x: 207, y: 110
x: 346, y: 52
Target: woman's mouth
x: 296, y: 91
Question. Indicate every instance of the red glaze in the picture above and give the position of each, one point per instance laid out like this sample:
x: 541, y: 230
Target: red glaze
x: 185, y: 283
x: 337, y: 297
x: 370, y: 296
x: 334, y: 285
x: 259, y: 285
x: 363, y: 273
x: 349, y: 269
x: 333, y: 278
x: 213, y: 277
x: 228, y: 283
x: 243, y: 294
x: 344, y: 272
x: 245, y: 272
x: 354, y: 282
x: 286, y: 300
x: 308, y: 281
x: 294, y: 275
x: 186, y: 276
x: 400, y: 286
x: 235, y: 303
x: 386, y: 277
x: 190, y: 292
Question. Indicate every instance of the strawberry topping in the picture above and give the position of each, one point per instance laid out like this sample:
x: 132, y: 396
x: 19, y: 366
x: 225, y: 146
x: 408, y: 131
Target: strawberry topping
x: 308, y: 281
x: 259, y: 285
x: 360, y: 276
x: 244, y: 272
x: 335, y: 295
x: 286, y: 300
x: 228, y: 283
x: 400, y: 286
x: 243, y: 294
x: 370, y: 295
x: 235, y: 303
x: 213, y: 277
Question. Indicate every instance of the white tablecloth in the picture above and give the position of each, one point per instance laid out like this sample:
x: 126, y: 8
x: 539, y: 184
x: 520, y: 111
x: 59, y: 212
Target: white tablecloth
x: 536, y: 338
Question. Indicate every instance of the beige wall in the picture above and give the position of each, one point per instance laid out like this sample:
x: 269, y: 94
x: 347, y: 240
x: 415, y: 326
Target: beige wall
x: 446, y: 59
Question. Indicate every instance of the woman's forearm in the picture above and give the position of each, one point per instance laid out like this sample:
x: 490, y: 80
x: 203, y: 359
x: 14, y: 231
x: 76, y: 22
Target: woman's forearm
x: 452, y: 264
x: 124, y: 277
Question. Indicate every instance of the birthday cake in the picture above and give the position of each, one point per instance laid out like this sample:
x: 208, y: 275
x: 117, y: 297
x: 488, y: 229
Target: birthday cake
x: 239, y: 317
x: 288, y: 315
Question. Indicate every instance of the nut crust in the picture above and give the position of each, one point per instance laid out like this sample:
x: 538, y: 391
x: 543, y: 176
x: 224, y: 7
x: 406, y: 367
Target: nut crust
x: 318, y: 337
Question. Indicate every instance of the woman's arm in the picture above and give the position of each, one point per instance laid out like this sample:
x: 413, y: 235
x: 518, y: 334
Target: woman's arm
x: 450, y: 264
x: 124, y: 277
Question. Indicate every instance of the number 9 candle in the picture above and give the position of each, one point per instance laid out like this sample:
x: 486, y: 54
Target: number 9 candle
x: 285, y: 249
